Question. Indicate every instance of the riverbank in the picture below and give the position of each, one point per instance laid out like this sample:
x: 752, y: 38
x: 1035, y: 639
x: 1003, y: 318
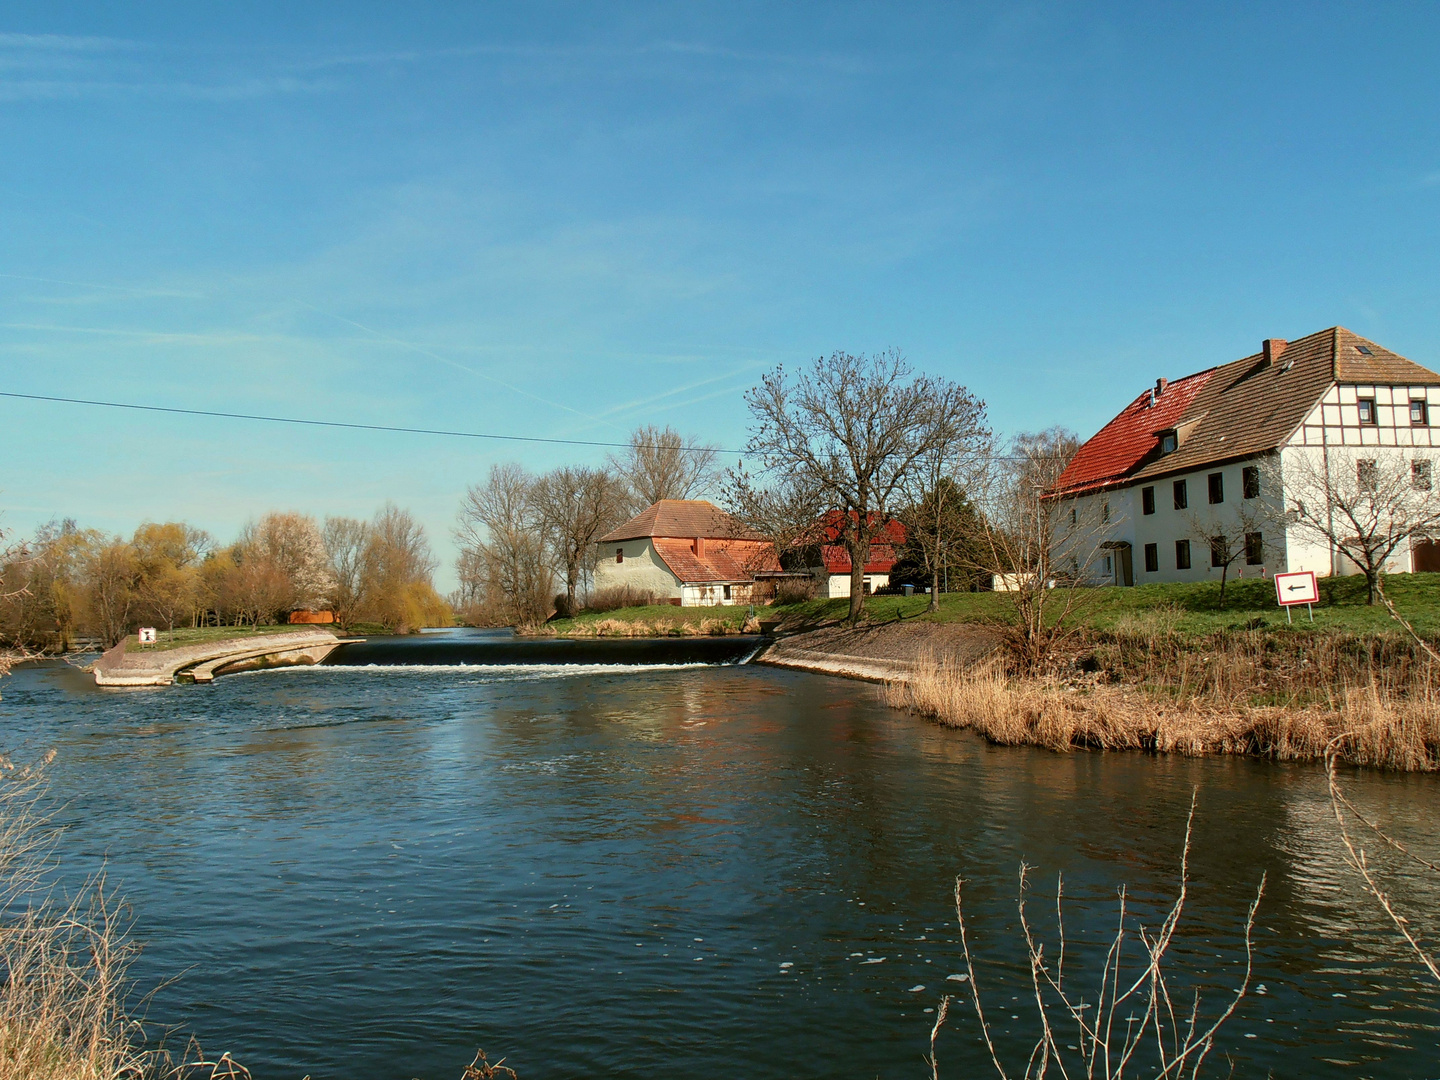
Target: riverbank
x: 1166, y: 669
x: 207, y: 654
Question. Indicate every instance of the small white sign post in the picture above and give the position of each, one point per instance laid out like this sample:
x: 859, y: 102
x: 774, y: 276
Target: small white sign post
x: 1297, y: 588
x: 146, y: 634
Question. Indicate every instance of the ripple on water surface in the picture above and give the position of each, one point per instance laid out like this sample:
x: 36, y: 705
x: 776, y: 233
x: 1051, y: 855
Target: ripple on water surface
x: 669, y: 870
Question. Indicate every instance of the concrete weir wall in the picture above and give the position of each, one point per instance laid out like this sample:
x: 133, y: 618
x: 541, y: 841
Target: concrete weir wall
x: 201, y: 663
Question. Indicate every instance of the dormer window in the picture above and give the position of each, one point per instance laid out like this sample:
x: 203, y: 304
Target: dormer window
x: 1169, y: 440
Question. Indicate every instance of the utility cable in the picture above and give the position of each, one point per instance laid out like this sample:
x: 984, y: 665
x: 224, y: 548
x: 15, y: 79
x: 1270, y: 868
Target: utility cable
x: 361, y: 427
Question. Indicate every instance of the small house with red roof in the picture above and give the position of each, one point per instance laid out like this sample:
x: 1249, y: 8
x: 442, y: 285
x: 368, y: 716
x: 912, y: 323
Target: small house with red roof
x: 1202, y: 455
x: 688, y: 552
x: 833, y: 569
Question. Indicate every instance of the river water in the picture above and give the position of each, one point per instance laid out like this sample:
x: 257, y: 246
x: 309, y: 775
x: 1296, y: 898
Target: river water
x: 660, y: 870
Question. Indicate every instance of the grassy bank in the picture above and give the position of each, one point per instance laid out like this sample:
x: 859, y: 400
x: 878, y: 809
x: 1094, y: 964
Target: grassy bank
x: 204, y: 635
x: 655, y: 620
x: 1249, y: 604
x: 1279, y: 696
x: 1189, y: 609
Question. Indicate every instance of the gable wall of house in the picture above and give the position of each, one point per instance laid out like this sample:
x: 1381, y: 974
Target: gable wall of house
x: 1335, y: 422
x: 641, y: 568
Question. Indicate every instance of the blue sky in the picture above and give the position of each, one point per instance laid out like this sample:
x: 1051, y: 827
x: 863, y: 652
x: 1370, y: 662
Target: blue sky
x: 564, y: 220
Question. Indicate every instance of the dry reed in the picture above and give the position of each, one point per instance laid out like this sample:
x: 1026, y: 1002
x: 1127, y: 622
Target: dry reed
x: 1228, y: 699
x: 65, y: 959
x: 1168, y: 1038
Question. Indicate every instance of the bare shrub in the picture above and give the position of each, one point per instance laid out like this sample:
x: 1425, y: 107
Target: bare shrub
x: 621, y: 596
x: 1134, y: 1019
x: 796, y: 590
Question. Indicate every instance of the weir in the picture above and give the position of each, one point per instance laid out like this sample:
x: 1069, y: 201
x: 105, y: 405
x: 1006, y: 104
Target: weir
x: 503, y: 648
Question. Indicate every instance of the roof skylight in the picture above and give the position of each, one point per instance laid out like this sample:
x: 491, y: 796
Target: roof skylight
x: 1364, y: 349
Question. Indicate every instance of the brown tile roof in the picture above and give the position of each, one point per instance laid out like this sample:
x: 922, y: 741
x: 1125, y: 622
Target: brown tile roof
x: 683, y: 518
x: 1237, y: 410
x: 722, y: 560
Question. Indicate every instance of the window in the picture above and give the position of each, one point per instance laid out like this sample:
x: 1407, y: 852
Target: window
x: 1420, y: 475
x: 1182, y: 500
x: 1217, y: 487
x: 1072, y: 515
x: 619, y: 554
x: 1254, y: 549
x: 1419, y: 414
x: 1168, y: 442
x: 1367, y: 474
x: 1219, y: 551
x: 1250, y: 482
x: 1147, y: 500
x: 1152, y: 558
x: 1182, y: 554
x: 727, y: 591
x: 1367, y: 409
x: 1109, y: 564
x: 1105, y: 511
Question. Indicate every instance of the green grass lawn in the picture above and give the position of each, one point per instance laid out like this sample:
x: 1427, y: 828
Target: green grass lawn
x: 201, y: 635
x: 1248, y: 602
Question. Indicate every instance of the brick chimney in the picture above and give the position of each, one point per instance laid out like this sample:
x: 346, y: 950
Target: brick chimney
x: 1271, y: 348
x: 698, y: 547
x: 1160, y: 385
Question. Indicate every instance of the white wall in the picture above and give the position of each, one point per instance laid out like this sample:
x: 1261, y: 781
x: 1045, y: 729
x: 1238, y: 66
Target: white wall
x: 1334, y: 421
x: 642, y: 569
x: 838, y: 585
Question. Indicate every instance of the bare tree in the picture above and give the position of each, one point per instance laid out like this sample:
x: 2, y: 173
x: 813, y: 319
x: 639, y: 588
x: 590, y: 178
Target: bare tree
x: 954, y: 444
x: 852, y: 429
x: 1039, y: 548
x: 346, y: 540
x: 1363, y: 504
x: 661, y: 464
x: 398, y: 573
x: 1231, y: 537
x: 503, y: 560
x: 576, y: 506
x: 111, y: 581
x: 785, y: 512
x: 292, y: 543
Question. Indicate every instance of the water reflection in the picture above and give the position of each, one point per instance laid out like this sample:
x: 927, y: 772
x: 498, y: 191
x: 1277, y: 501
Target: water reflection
x: 663, y: 872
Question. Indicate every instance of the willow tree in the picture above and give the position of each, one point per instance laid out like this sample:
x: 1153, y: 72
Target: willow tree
x: 853, y: 430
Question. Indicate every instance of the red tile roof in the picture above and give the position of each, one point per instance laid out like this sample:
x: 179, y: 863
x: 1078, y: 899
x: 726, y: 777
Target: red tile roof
x: 684, y: 518
x: 719, y: 561
x: 1234, y: 411
x: 1118, y: 448
x: 884, y: 549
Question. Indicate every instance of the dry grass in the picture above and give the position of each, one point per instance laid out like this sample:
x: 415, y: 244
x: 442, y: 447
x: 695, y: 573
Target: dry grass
x: 65, y: 992
x: 639, y: 628
x: 1206, y: 704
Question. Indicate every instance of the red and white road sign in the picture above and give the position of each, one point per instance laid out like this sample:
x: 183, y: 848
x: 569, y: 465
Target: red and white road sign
x: 1297, y: 588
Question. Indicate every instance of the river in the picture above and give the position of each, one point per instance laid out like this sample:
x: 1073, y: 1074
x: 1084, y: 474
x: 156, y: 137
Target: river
x: 659, y: 870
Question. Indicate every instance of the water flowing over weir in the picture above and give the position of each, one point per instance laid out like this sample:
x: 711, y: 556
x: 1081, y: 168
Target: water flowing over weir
x: 485, y: 648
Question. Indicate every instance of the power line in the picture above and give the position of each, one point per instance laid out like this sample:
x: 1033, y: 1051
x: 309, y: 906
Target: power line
x: 358, y: 427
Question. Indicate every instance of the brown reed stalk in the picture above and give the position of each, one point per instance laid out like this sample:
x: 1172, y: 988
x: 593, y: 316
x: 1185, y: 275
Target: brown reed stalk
x: 1178, y: 1039
x: 1356, y: 858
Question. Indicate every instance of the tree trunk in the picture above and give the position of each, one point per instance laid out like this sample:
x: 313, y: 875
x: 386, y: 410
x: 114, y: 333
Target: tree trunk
x: 859, y: 555
x: 1224, y: 571
x: 934, y: 587
x: 1371, y: 588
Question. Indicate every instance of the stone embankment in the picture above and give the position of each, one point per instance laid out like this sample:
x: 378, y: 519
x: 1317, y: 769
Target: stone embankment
x: 878, y: 652
x: 201, y: 663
